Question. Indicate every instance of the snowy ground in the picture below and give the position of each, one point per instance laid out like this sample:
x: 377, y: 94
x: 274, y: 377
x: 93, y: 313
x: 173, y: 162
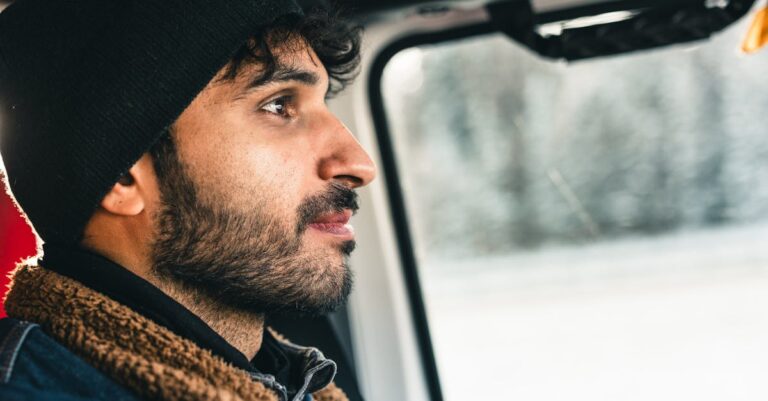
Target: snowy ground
x: 679, y: 318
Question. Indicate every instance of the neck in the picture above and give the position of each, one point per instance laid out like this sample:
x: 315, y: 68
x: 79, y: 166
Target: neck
x: 241, y: 329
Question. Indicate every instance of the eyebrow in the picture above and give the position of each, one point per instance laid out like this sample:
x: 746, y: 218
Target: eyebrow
x: 282, y: 73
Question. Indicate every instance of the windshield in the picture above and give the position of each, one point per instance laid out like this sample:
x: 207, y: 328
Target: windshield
x: 598, y: 227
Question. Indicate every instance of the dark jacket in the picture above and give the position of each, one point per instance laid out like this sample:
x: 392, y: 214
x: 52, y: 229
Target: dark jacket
x: 33, y: 366
x: 101, y: 333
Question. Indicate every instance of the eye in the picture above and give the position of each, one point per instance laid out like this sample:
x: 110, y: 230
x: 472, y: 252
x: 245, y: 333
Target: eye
x: 279, y: 106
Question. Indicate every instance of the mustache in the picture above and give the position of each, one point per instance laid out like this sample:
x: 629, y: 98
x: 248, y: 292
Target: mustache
x: 335, y: 200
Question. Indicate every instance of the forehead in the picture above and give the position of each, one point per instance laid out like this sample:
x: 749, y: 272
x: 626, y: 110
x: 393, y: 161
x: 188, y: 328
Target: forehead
x: 292, y: 62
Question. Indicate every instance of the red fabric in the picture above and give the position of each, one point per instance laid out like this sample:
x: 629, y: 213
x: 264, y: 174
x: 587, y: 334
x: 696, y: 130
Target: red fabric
x: 16, y: 240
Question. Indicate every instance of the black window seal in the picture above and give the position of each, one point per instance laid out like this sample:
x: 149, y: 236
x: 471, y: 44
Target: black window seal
x: 395, y: 192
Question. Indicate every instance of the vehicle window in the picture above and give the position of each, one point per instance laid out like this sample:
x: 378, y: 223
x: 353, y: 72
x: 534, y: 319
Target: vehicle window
x: 588, y: 231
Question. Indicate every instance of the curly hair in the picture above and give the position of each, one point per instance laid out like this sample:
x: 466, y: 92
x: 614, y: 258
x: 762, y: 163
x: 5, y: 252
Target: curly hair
x: 335, y: 41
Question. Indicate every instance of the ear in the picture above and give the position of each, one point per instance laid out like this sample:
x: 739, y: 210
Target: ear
x: 130, y: 195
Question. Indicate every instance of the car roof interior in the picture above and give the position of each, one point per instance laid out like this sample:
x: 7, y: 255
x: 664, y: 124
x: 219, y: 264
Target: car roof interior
x: 617, y: 26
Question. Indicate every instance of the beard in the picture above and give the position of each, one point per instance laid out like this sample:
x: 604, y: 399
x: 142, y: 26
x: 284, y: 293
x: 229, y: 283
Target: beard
x: 251, y: 259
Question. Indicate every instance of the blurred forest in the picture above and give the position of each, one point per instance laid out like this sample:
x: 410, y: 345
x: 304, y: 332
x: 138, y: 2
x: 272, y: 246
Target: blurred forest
x: 501, y: 151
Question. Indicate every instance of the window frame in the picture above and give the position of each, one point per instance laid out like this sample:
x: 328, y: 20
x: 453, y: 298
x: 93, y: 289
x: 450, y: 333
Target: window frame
x: 385, y: 145
x: 398, y: 212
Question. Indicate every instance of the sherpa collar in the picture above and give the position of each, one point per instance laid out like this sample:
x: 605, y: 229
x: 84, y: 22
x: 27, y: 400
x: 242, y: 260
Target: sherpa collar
x: 120, y: 284
x: 135, y: 351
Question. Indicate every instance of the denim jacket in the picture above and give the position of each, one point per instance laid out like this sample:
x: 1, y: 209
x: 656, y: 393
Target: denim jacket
x: 33, y: 366
x: 32, y: 360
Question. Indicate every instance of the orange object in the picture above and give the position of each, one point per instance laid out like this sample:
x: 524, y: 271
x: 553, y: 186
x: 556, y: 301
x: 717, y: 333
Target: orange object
x: 757, y: 36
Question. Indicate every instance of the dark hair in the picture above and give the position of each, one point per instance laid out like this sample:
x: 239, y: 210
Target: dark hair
x: 335, y: 41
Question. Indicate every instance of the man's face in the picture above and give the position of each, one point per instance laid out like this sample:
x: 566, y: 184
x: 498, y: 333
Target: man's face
x: 256, y: 202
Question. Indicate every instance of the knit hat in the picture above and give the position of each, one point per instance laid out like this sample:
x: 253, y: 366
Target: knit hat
x: 88, y: 86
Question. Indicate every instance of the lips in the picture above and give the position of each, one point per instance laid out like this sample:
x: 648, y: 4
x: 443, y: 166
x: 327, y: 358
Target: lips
x: 334, y: 223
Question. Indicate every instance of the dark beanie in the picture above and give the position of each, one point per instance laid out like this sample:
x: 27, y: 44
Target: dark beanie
x: 88, y: 86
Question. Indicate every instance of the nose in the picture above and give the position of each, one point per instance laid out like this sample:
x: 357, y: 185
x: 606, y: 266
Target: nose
x: 346, y: 161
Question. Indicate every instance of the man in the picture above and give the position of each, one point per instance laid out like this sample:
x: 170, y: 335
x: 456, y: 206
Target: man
x: 178, y: 160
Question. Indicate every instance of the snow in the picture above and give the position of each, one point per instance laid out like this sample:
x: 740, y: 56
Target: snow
x: 680, y: 317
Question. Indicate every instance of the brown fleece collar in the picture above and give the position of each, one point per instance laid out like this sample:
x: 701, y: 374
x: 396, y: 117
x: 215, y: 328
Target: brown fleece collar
x: 138, y: 353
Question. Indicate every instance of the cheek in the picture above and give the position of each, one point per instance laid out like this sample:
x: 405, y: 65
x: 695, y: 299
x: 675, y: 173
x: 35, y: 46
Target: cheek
x: 242, y: 164
x: 249, y: 176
